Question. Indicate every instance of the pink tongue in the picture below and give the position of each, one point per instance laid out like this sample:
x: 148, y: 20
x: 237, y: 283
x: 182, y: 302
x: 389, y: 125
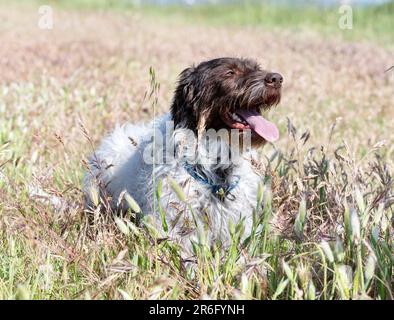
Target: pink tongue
x: 262, y: 127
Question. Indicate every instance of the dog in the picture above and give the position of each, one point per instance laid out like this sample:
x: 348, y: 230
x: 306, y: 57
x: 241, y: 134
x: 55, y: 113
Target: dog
x: 195, y: 188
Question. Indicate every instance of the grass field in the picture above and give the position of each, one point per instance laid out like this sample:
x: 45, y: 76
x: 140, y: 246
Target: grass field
x: 327, y: 224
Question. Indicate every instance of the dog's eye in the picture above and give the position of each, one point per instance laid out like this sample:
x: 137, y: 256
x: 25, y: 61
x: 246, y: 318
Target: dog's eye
x: 230, y: 73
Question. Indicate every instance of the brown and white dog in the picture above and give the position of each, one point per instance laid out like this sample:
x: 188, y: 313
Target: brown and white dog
x: 219, y: 184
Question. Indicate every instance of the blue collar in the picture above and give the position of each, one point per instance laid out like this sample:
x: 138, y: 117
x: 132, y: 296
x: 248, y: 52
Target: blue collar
x: 221, y: 190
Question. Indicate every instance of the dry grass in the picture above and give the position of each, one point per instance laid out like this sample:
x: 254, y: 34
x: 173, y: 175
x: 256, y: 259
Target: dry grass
x: 91, y: 72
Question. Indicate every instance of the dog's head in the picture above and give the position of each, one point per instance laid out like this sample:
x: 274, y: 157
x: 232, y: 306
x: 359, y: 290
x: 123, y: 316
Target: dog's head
x: 227, y: 93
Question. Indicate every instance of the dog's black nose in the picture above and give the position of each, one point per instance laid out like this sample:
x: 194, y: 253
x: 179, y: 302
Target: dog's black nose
x: 273, y: 78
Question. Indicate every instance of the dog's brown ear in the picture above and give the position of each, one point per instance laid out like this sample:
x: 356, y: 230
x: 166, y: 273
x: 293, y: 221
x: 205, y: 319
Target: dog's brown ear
x: 182, y: 108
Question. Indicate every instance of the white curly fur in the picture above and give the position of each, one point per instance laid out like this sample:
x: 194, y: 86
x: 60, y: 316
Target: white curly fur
x: 118, y: 165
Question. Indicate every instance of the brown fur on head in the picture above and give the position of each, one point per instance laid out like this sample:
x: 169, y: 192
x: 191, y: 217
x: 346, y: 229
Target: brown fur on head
x: 208, y: 94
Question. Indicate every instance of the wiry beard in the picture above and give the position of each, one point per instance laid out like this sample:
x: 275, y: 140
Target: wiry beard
x: 258, y: 98
x: 271, y: 97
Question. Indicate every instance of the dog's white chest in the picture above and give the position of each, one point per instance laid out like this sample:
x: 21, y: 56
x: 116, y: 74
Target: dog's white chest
x: 200, y: 208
